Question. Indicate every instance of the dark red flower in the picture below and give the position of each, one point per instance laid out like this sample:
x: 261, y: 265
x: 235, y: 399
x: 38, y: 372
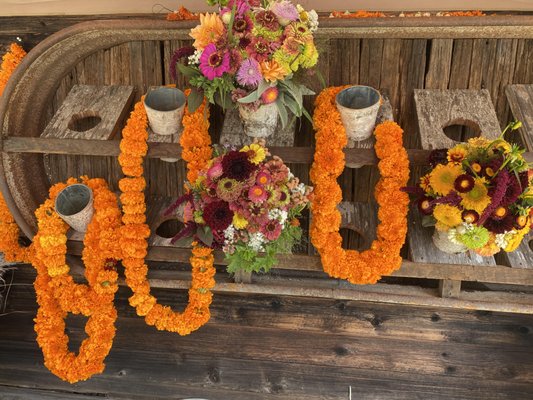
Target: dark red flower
x: 217, y: 215
x: 438, y: 156
x: 470, y: 216
x: 464, y: 183
x: 236, y: 165
x: 424, y: 205
x: 178, y: 55
x: 267, y: 19
x: 512, y: 190
x: 500, y: 225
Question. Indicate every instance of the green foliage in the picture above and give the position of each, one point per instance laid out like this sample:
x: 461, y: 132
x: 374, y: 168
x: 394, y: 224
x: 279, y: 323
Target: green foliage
x: 249, y: 260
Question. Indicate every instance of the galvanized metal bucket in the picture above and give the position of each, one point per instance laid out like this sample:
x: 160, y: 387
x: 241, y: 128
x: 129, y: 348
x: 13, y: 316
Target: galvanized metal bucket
x: 165, y: 107
x: 358, y: 107
x: 261, y: 123
x: 74, y: 205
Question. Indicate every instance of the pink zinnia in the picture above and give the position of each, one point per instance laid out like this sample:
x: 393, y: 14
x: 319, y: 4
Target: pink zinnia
x: 249, y: 73
x: 270, y: 95
x: 214, y: 63
x: 272, y: 230
x: 263, y: 178
x: 257, y: 194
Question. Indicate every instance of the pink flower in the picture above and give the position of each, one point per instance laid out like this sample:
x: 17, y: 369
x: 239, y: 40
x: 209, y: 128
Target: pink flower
x: 214, y: 63
x: 270, y: 95
x: 267, y: 19
x: 263, y: 178
x: 272, y: 230
x: 215, y: 171
x: 260, y: 49
x: 249, y: 73
x: 285, y: 11
x: 257, y: 194
x: 242, y: 25
x: 188, y: 212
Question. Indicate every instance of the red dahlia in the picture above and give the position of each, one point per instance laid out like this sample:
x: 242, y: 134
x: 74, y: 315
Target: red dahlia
x: 218, y: 215
x: 236, y: 165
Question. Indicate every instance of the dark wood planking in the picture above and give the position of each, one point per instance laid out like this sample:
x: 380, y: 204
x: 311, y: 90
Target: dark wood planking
x: 438, y: 74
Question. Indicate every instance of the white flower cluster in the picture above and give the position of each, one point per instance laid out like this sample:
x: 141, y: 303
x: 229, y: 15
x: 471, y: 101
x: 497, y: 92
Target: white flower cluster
x: 229, y: 233
x: 299, y: 189
x: 312, y: 17
x: 502, y: 239
x: 195, y: 58
x: 256, y: 241
x: 277, y: 214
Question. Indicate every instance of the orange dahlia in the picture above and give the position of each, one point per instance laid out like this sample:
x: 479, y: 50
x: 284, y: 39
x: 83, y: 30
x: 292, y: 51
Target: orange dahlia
x: 210, y: 29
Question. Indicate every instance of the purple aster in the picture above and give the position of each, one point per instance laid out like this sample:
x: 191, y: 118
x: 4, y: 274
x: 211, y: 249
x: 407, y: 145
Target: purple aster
x: 249, y: 73
x: 285, y: 11
x: 214, y: 63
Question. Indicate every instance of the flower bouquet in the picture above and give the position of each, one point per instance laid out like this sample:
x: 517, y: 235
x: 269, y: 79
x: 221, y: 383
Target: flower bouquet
x: 245, y: 204
x: 252, y: 54
x: 478, y: 196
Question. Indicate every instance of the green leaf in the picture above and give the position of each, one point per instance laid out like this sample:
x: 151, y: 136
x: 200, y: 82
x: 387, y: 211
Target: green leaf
x: 282, y: 111
x: 205, y: 235
x: 306, y: 91
x: 308, y: 116
x: 194, y: 100
x: 184, y: 242
x: 254, y: 96
x: 263, y: 85
x: 291, y: 104
x: 188, y: 72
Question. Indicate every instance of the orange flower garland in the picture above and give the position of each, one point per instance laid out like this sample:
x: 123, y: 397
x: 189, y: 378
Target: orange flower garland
x: 9, y: 230
x: 58, y: 294
x: 384, y: 255
x: 196, y: 143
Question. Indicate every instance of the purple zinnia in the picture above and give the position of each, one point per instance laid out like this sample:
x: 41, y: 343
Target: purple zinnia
x: 249, y: 73
x: 214, y: 63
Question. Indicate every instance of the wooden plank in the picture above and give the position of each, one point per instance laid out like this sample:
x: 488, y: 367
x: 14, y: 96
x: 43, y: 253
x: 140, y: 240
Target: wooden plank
x: 520, y: 99
x: 437, y: 109
x: 422, y: 249
x: 439, y: 66
x: 461, y: 61
x: 86, y: 101
x: 449, y: 288
x: 390, y: 72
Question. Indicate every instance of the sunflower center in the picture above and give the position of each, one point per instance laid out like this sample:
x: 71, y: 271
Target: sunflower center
x: 500, y: 212
x: 476, y: 167
x: 489, y: 171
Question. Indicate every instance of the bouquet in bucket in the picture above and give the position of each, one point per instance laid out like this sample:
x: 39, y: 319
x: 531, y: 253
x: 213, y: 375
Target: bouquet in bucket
x: 251, y: 53
x: 247, y: 204
x: 478, y: 196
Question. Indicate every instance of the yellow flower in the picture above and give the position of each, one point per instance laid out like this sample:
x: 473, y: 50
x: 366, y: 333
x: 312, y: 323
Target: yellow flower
x: 424, y: 183
x: 447, y: 215
x: 457, y: 154
x: 515, y: 241
x: 239, y: 221
x: 501, y: 145
x: 210, y: 29
x: 477, y: 199
x: 478, y: 142
x: 256, y: 152
x: 443, y: 177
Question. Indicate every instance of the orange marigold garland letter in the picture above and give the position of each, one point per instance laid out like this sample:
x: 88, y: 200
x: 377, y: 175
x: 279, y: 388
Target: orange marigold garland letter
x: 58, y: 294
x: 9, y: 231
x: 384, y: 255
x: 197, y: 152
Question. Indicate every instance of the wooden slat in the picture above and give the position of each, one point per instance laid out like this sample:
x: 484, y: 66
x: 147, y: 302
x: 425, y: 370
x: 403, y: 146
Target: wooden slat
x: 438, y: 74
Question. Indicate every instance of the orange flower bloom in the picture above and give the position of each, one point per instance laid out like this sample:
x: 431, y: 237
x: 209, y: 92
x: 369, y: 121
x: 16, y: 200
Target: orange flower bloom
x: 383, y: 256
x: 272, y: 71
x: 208, y: 31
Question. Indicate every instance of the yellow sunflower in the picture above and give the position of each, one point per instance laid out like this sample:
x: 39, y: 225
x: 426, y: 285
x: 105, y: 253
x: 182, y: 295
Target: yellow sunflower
x: 515, y: 241
x: 449, y: 216
x: 478, y: 142
x: 256, y: 153
x: 443, y: 177
x: 457, y: 154
x: 478, y: 198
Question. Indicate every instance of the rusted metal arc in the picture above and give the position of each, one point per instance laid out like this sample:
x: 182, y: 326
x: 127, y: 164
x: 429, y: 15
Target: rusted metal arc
x: 22, y: 108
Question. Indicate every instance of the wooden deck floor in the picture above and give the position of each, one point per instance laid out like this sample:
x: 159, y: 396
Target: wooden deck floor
x: 264, y: 347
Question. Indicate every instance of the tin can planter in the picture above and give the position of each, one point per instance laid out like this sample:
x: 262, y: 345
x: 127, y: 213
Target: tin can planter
x: 164, y: 108
x: 358, y: 107
x: 260, y: 123
x: 74, y: 205
x: 444, y: 244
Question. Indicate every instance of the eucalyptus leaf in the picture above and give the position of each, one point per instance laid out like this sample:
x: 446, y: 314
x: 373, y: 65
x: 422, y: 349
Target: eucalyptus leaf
x: 184, y: 242
x: 194, y: 100
x: 254, y: 96
x: 263, y: 85
x: 205, y: 235
x: 306, y: 91
x: 282, y: 111
x: 291, y: 104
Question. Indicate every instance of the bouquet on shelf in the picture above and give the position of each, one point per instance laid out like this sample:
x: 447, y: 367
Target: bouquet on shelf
x: 247, y: 204
x: 478, y: 196
x: 250, y: 53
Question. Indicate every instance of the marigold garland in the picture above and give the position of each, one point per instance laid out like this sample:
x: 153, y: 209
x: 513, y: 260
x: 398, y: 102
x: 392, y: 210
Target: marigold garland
x: 383, y: 257
x: 58, y: 294
x: 196, y: 145
x: 9, y: 230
